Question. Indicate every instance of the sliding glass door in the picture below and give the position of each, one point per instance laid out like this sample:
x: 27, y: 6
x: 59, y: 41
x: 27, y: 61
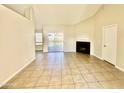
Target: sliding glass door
x: 55, y: 42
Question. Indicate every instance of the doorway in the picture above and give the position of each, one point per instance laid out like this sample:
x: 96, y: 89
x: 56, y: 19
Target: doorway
x: 109, y: 43
x: 38, y: 41
x: 55, y: 42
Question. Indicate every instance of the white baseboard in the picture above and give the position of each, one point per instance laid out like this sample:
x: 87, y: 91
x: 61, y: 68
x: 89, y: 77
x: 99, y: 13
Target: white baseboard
x: 98, y: 57
x: 69, y: 51
x: 27, y: 63
x: 119, y: 68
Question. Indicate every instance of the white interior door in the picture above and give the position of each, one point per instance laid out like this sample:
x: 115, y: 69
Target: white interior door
x: 110, y: 43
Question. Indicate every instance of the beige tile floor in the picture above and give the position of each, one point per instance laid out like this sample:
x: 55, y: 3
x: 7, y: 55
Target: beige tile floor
x: 67, y: 71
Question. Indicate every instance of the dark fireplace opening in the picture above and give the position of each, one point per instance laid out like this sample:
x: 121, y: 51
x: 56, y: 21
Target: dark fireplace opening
x: 83, y: 47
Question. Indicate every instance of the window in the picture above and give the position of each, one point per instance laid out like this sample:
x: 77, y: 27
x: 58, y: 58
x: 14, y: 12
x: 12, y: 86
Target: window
x: 38, y: 38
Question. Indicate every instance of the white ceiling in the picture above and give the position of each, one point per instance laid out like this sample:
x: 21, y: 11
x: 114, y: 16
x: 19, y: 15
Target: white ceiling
x: 66, y: 14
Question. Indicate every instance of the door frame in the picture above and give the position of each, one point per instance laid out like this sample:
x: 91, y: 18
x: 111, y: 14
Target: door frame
x: 115, y: 50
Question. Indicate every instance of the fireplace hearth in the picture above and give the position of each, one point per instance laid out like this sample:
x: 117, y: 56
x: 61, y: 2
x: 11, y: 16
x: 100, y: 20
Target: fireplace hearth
x: 83, y: 47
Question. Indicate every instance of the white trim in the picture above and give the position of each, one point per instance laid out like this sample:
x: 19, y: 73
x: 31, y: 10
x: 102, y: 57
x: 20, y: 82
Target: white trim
x: 69, y: 51
x: 98, y: 56
x: 119, y: 68
x: 28, y: 62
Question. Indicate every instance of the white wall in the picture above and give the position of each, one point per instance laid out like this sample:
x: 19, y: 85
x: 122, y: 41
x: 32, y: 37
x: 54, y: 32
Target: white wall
x: 110, y: 14
x: 69, y: 36
x: 107, y: 15
x: 16, y: 43
x: 72, y: 33
x: 69, y: 39
x: 85, y: 32
x: 99, y: 23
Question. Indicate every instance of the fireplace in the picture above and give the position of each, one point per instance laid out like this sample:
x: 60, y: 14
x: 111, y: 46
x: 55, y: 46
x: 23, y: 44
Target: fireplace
x: 83, y: 47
